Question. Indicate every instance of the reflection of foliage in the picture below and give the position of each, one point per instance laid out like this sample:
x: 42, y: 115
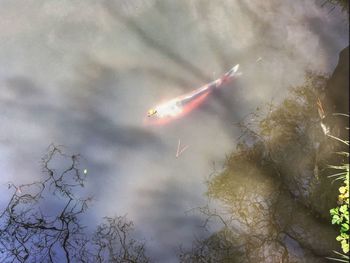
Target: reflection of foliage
x: 277, y: 171
x: 113, y: 243
x: 295, y: 113
x: 42, y: 221
x: 217, y: 248
x: 344, y: 4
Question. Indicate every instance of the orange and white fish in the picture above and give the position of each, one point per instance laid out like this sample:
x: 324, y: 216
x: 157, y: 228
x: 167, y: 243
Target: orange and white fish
x: 182, y: 105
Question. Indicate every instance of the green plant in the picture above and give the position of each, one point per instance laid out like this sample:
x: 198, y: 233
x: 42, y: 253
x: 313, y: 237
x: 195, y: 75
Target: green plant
x: 343, y: 258
x: 340, y: 214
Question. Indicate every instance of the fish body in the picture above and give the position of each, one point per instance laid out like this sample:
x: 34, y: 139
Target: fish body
x: 180, y: 106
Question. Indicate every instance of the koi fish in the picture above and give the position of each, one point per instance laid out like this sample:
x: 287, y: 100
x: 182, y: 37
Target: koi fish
x: 182, y: 105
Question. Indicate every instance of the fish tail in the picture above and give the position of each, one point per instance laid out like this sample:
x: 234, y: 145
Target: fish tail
x: 233, y: 72
x: 228, y: 76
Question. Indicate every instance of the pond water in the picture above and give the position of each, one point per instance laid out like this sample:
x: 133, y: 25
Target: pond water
x: 84, y: 73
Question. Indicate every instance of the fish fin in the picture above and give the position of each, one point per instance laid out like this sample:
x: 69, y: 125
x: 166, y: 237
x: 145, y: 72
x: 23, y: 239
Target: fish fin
x: 235, y: 68
x: 233, y: 71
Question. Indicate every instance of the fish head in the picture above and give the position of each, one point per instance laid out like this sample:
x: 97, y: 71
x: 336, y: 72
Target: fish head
x: 151, y: 112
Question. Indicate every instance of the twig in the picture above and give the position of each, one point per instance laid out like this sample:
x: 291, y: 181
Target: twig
x: 179, y: 151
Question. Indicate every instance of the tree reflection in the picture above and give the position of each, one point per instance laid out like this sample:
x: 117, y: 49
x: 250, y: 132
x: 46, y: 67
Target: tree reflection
x: 274, y: 190
x: 217, y: 248
x: 42, y: 221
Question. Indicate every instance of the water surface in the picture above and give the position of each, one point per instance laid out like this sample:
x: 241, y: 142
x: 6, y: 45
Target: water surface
x: 82, y: 74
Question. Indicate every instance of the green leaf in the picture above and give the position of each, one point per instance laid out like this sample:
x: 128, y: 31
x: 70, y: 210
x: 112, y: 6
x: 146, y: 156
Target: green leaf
x: 338, y: 167
x: 335, y: 219
x: 345, y: 246
x: 344, y: 235
x: 337, y: 259
x: 343, y: 208
x: 343, y: 153
x: 339, y: 238
x: 342, y: 190
x: 345, y: 227
x: 334, y: 211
